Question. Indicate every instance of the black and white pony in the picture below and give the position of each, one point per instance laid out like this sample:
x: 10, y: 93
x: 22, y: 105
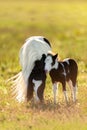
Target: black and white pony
x: 37, y: 81
x: 32, y: 77
x: 65, y: 71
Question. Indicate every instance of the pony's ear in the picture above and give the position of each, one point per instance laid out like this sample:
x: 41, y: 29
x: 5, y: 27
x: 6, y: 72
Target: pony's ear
x: 55, y: 56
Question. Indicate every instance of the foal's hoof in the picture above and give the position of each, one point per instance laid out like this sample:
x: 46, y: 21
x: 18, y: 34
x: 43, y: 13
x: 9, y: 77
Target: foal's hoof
x: 67, y: 103
x: 75, y: 102
x: 37, y: 102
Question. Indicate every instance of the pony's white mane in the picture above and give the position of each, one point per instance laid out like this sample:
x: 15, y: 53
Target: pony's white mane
x: 31, y: 51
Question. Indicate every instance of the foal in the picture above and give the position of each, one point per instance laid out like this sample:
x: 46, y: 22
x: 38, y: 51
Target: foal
x: 65, y: 71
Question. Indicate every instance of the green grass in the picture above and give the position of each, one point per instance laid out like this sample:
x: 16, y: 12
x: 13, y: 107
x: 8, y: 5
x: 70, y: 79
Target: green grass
x: 65, y: 25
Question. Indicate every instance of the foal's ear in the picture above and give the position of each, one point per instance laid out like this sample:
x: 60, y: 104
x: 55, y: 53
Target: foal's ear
x: 55, y: 56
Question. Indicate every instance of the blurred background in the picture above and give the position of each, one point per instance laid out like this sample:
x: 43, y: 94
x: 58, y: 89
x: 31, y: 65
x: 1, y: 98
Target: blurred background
x: 64, y: 24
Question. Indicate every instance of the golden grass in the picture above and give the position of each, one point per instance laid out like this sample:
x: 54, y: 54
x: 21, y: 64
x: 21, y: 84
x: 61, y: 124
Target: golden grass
x: 65, y: 25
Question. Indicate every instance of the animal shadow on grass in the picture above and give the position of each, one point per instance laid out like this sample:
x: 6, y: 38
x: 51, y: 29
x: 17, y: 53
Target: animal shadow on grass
x: 49, y: 105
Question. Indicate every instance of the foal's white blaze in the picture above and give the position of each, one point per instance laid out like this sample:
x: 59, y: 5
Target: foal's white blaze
x: 48, y: 62
x: 55, y: 66
x: 36, y: 86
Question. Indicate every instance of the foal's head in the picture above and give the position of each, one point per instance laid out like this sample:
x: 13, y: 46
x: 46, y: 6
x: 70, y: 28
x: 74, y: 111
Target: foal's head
x: 51, y: 62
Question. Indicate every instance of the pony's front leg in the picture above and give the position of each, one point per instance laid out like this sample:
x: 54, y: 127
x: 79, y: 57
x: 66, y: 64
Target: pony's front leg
x: 55, y: 91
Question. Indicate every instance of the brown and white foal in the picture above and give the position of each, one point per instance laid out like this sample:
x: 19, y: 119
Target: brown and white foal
x: 65, y: 71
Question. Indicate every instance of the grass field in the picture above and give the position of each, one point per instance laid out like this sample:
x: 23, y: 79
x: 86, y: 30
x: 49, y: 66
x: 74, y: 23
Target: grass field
x: 65, y: 25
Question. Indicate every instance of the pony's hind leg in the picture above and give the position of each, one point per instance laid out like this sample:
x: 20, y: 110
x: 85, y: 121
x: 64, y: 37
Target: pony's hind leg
x: 37, y: 84
x: 40, y: 92
x: 29, y: 94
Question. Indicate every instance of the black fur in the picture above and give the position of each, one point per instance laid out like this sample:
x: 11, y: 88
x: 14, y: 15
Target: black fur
x: 71, y: 70
x: 46, y: 40
x: 37, y: 73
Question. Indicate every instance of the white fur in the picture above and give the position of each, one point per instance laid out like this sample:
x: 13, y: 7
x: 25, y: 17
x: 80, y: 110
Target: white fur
x: 36, y: 86
x: 48, y: 64
x: 31, y: 51
x: 74, y: 93
x: 55, y: 91
x: 19, y: 87
x: 55, y: 66
x: 73, y: 90
x: 65, y: 96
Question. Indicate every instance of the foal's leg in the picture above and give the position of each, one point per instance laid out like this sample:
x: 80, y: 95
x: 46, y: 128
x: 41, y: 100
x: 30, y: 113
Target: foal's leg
x: 74, y: 92
x: 36, y: 86
x: 64, y: 90
x: 55, y: 91
x: 73, y: 87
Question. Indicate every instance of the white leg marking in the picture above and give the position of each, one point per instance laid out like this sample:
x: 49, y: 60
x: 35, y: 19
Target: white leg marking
x: 71, y: 87
x: 74, y: 93
x: 73, y: 90
x: 55, y: 91
x: 36, y: 86
x: 65, y: 96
